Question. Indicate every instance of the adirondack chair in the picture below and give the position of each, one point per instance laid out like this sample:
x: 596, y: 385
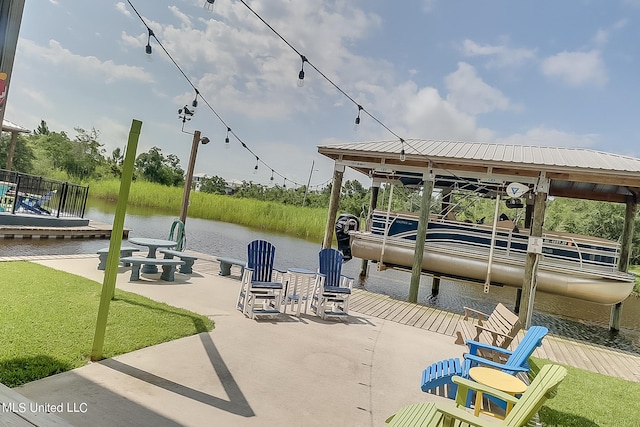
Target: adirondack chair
x: 332, y: 291
x: 440, y: 374
x: 497, y: 329
x: 36, y: 204
x: 3, y: 190
x: 261, y: 282
x: 428, y: 414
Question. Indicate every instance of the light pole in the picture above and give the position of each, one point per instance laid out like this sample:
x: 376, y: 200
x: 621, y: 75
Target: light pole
x: 306, y: 190
x: 189, y: 179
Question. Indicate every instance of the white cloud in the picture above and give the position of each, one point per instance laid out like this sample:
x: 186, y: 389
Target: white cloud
x: 576, y: 68
x: 421, y: 112
x: 470, y: 94
x: 545, y: 137
x: 186, y: 21
x: 122, y: 8
x: 500, y: 56
x: 56, y: 55
x: 601, y: 38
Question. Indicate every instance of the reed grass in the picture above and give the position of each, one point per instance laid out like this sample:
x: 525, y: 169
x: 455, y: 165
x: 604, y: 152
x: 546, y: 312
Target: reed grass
x: 301, y: 222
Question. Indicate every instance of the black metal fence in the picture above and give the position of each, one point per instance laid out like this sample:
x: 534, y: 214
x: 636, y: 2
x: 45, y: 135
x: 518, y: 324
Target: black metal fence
x: 23, y: 193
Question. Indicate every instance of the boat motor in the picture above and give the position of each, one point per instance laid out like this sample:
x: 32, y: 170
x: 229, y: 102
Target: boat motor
x: 344, y: 224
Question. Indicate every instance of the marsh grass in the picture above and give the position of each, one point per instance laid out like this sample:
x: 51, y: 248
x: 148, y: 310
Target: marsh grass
x: 48, y: 322
x: 305, y: 223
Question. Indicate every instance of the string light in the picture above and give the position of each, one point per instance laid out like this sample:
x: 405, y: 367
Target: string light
x: 186, y: 112
x: 226, y: 139
x: 208, y: 5
x: 402, y: 156
x: 194, y: 104
x: 148, y: 49
x: 358, y: 117
x: 271, y: 179
x: 284, y: 185
x: 255, y: 168
x: 304, y: 59
x: 301, y: 73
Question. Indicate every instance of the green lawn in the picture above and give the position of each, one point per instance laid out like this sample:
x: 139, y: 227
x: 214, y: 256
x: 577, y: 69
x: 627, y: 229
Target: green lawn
x: 587, y: 399
x: 48, y: 320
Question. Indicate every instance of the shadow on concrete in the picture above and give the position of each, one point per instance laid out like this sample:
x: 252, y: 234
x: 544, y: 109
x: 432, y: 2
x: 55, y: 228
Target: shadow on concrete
x: 236, y: 403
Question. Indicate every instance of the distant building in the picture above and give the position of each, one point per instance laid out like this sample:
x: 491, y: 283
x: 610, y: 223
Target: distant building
x: 232, y: 186
x: 197, y: 180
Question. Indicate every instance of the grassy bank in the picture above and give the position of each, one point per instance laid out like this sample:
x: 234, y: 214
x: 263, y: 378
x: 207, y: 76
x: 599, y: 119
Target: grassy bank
x: 305, y: 223
x: 587, y: 399
x: 48, y: 322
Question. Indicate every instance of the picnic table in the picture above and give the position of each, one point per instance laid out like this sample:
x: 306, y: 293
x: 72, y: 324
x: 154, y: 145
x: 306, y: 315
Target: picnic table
x: 153, y: 245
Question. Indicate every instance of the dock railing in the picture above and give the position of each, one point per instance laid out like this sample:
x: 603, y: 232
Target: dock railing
x: 31, y: 194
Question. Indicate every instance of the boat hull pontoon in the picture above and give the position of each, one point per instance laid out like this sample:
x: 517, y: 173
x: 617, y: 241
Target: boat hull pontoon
x: 575, y: 266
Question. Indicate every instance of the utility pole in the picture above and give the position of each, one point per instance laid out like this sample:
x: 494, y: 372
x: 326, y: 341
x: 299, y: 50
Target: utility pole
x: 189, y: 179
x: 306, y: 190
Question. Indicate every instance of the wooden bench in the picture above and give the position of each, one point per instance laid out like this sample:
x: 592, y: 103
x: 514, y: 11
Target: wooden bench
x: 497, y: 329
x: 187, y: 268
x: 168, y: 266
x: 125, y: 251
x: 226, y: 263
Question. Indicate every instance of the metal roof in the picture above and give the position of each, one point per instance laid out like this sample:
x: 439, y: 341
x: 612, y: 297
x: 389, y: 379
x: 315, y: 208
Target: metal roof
x: 582, y: 172
x: 8, y: 126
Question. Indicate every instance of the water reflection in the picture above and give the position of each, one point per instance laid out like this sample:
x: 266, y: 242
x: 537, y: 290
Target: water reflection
x: 564, y: 316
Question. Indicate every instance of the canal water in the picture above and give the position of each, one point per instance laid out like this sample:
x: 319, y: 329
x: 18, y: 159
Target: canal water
x: 563, y: 316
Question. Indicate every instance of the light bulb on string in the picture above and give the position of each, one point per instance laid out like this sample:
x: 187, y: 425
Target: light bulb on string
x: 271, y: 179
x: 255, y: 168
x: 226, y: 139
x: 402, y: 155
x: 194, y: 104
x: 148, y: 48
x: 357, y: 118
x: 301, y: 73
x: 208, y: 5
x: 284, y: 185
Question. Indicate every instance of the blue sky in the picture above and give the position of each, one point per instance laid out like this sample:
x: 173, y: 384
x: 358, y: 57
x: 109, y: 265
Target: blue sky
x: 531, y: 72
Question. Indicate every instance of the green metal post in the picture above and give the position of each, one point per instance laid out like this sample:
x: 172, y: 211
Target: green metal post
x: 113, y: 258
x: 421, y: 234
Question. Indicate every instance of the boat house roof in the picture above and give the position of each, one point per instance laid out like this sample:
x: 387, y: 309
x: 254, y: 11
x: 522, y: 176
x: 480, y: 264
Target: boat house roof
x: 8, y: 126
x: 573, y: 172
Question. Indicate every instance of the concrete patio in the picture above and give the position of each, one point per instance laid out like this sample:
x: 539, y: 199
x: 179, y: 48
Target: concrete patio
x: 288, y: 371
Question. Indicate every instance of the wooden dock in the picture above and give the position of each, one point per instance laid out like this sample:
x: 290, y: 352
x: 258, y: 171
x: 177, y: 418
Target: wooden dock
x: 579, y: 354
x: 94, y: 230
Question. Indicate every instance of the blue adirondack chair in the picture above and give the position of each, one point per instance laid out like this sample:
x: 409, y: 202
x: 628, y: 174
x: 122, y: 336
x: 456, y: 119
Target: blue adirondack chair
x: 36, y: 204
x: 440, y: 373
x: 332, y: 291
x: 261, y: 282
x: 3, y: 190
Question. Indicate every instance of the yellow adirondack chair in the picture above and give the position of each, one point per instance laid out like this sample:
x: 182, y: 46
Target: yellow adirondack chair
x: 429, y: 414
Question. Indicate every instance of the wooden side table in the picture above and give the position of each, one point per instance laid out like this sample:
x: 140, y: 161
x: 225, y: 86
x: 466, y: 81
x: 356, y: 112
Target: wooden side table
x: 498, y: 380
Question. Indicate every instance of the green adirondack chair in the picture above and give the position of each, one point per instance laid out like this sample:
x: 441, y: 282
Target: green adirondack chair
x: 429, y: 414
